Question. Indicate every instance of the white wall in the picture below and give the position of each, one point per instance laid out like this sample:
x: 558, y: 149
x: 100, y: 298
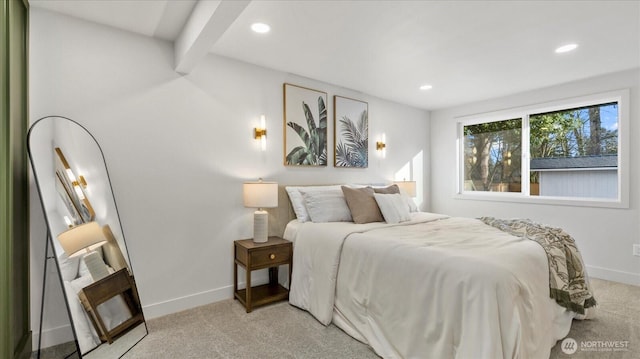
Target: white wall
x: 178, y: 149
x: 604, y: 236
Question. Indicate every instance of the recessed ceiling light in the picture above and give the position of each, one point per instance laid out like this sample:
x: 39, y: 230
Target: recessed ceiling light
x: 566, y: 48
x: 260, y: 28
x: 426, y: 87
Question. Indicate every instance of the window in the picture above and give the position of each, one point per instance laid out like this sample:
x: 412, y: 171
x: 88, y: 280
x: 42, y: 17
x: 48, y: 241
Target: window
x: 568, y: 151
x: 492, y: 156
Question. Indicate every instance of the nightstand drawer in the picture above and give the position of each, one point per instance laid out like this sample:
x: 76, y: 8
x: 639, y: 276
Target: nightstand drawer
x: 270, y: 256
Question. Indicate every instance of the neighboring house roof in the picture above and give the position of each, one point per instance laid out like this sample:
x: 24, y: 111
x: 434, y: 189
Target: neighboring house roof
x: 574, y: 162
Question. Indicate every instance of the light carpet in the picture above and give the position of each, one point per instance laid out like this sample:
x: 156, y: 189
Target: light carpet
x: 224, y: 330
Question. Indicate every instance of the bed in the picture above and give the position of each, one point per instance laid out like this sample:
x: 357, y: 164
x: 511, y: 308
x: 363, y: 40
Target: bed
x: 428, y: 286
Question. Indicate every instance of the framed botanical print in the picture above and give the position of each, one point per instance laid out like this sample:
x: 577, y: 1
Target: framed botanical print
x: 350, y: 132
x: 305, y: 126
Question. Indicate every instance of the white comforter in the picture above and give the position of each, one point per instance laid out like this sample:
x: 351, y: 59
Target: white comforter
x: 434, y: 287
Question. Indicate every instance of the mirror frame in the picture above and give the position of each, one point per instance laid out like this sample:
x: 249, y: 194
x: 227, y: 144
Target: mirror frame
x: 132, y: 292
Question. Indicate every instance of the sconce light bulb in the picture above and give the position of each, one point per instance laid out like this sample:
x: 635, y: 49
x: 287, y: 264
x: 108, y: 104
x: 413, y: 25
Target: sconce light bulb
x: 71, y: 176
x: 78, y: 190
x: 260, y: 133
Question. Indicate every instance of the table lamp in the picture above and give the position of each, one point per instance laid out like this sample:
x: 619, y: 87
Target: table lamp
x: 408, y: 187
x: 260, y: 195
x: 82, y: 239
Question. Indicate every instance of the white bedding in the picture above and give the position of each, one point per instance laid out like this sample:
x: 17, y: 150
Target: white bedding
x: 434, y: 287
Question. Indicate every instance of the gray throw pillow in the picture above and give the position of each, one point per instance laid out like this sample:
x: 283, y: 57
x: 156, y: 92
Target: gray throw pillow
x: 388, y: 190
x: 362, y: 204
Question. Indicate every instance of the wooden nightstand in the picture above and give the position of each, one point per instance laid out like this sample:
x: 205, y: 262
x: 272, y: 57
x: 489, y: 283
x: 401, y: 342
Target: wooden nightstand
x: 271, y: 254
x: 118, y: 283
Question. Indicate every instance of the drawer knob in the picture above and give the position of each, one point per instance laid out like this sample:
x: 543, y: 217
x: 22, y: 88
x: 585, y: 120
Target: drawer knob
x: 272, y: 256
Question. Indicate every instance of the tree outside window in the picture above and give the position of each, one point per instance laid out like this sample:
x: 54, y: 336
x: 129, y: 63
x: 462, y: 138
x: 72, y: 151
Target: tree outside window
x: 493, y: 156
x: 571, y: 148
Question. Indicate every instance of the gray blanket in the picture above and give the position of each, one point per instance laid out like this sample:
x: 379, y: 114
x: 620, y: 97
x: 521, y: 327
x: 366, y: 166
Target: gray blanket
x: 568, y: 282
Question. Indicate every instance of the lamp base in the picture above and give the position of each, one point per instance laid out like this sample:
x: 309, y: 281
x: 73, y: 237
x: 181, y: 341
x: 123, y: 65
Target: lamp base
x: 260, y: 226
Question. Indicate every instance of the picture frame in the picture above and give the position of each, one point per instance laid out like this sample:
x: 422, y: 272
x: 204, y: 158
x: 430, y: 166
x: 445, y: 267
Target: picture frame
x: 73, y: 189
x: 350, y: 132
x: 305, y: 126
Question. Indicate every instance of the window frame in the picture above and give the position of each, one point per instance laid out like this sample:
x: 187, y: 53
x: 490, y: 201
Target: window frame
x: 622, y: 200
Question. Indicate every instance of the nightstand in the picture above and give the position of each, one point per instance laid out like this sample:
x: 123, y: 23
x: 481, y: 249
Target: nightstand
x: 252, y: 256
x: 118, y: 283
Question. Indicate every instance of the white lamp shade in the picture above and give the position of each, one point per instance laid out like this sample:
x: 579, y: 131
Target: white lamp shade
x: 87, y: 236
x: 260, y: 194
x: 408, y: 187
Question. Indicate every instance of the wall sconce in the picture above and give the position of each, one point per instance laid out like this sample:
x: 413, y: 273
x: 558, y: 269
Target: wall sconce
x: 260, y: 133
x: 381, y: 146
x: 82, y: 181
x: 78, y: 183
x: 69, y: 222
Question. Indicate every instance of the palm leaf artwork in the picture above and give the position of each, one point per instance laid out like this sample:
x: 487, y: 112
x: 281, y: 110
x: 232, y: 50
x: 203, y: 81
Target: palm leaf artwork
x: 352, y: 148
x: 314, y: 150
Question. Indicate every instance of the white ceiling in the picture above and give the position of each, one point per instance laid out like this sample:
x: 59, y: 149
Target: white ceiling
x: 468, y: 50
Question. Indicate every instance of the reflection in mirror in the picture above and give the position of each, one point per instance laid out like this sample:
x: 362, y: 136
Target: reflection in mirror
x: 86, y: 237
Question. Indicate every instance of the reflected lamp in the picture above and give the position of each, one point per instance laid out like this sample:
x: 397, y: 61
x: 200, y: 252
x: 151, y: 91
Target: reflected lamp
x: 260, y: 195
x: 82, y: 239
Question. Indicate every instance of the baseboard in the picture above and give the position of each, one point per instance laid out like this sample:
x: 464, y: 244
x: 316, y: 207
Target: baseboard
x: 187, y: 302
x: 175, y: 305
x: 53, y: 336
x: 194, y: 300
x: 614, y: 275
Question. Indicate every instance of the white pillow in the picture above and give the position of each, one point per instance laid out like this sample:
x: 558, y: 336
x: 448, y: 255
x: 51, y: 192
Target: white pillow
x: 326, y: 206
x: 410, y: 202
x: 85, y: 332
x: 297, y: 202
x: 68, y: 266
x: 394, y: 208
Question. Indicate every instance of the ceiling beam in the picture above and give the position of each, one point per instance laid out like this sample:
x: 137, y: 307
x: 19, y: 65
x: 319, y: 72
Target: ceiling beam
x: 208, y: 21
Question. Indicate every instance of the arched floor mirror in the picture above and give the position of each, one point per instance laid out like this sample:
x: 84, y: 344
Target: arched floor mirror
x: 86, y: 238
